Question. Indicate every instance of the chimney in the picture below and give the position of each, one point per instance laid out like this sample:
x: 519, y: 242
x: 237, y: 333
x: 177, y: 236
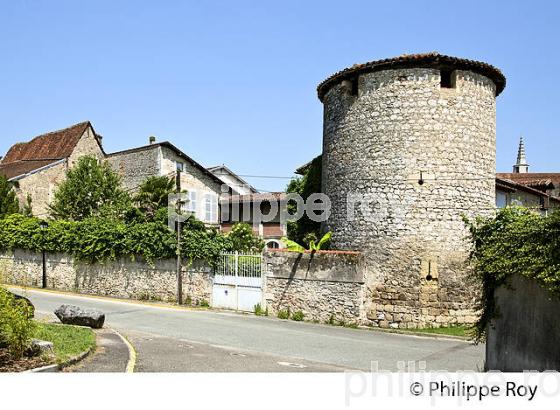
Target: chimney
x: 152, y: 140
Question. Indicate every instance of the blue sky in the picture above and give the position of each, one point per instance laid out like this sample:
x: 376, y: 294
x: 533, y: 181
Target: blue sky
x: 235, y: 82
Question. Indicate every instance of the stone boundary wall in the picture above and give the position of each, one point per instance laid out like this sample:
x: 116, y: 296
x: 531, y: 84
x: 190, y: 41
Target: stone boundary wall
x: 526, y: 332
x: 123, y: 278
x: 325, y: 285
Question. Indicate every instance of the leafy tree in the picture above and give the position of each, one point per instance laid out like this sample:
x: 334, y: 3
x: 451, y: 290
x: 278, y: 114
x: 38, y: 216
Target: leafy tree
x: 304, y: 186
x: 91, y: 188
x: 153, y: 194
x: 8, y: 201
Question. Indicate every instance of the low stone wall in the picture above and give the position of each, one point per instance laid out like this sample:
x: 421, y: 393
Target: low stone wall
x: 526, y: 332
x: 325, y: 286
x: 123, y: 278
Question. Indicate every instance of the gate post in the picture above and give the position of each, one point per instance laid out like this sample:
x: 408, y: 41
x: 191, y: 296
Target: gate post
x: 236, y: 280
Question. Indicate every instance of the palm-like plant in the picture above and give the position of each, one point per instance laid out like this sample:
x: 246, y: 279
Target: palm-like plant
x: 313, y: 244
x: 154, y: 193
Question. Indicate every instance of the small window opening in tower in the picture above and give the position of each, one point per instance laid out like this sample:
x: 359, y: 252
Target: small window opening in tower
x: 447, y: 78
x: 355, y: 86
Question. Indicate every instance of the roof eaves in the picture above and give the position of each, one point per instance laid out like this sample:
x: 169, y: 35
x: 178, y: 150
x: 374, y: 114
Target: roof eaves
x: 427, y: 60
x: 192, y: 162
x: 42, y: 168
x: 224, y: 167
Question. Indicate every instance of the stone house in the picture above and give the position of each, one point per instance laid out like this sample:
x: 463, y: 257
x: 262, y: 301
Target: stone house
x: 164, y: 159
x: 241, y: 205
x: 36, y: 167
x: 509, y: 192
x: 260, y: 210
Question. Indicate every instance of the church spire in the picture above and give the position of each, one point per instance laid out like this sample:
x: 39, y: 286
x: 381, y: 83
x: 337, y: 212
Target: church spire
x: 521, y: 167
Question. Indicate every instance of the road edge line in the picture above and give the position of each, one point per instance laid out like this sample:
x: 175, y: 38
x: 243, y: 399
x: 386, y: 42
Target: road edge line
x: 131, y: 353
x: 111, y: 299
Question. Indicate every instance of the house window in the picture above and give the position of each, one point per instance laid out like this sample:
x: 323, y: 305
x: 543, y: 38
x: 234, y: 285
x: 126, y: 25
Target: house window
x: 355, y: 86
x: 180, y: 166
x: 501, y: 200
x: 191, y: 205
x: 447, y: 78
x: 210, y: 208
x: 273, y: 245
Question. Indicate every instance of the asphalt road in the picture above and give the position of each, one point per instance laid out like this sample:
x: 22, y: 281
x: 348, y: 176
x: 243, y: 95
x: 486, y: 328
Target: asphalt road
x: 170, y: 339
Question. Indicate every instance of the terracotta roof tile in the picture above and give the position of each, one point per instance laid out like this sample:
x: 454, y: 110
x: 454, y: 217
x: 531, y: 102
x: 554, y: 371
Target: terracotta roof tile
x: 509, y: 183
x: 427, y: 60
x: 53, y: 145
x: 532, y: 178
x: 262, y: 196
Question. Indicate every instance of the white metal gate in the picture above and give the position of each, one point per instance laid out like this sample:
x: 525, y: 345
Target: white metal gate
x: 238, y: 282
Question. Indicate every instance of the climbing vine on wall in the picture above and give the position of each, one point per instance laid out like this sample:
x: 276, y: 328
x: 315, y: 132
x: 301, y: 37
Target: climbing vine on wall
x: 304, y: 228
x: 515, y: 241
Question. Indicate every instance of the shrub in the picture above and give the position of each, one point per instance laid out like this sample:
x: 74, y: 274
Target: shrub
x: 297, y: 316
x: 309, y: 184
x: 284, y: 314
x: 153, y: 194
x: 99, y: 239
x: 259, y: 310
x: 244, y: 240
x: 204, y: 303
x: 16, y: 323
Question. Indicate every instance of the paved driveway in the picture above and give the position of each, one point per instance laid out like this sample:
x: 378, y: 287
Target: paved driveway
x: 171, y: 339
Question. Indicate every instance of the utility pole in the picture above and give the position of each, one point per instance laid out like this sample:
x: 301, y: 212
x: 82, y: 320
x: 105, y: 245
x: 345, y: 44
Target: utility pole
x: 179, y: 274
x: 44, y: 225
x: 178, y: 225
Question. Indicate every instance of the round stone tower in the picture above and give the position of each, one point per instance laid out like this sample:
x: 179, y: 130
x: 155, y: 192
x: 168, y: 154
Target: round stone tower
x: 408, y: 150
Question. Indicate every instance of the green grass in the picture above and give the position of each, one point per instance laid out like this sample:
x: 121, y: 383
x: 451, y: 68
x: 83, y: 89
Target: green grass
x: 68, y: 340
x: 464, y: 331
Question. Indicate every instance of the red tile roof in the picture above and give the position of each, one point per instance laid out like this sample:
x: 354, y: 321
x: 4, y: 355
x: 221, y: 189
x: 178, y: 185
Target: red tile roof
x: 53, y: 145
x: 262, y: 196
x: 532, y: 179
x: 42, y: 150
x: 427, y: 60
x: 509, y: 184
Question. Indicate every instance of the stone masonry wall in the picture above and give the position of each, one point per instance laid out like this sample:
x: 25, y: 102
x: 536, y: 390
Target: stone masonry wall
x: 525, y: 333
x: 135, y: 166
x: 122, y: 278
x: 325, y: 286
x: 87, y: 145
x: 41, y: 186
x: 380, y: 138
